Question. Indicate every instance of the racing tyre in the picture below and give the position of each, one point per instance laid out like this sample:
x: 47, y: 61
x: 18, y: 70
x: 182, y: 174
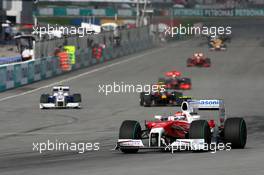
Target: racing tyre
x: 200, y: 129
x: 223, y: 47
x: 207, y: 62
x: 130, y: 129
x: 189, y: 62
x: 162, y: 80
x: 44, y: 98
x: 141, y: 101
x: 186, y: 80
x: 147, y: 100
x: 77, y: 98
x: 235, y: 132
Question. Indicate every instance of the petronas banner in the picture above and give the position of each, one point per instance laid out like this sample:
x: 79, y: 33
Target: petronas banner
x: 218, y: 12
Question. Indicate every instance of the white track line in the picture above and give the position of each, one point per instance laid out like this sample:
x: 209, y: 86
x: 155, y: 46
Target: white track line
x: 81, y: 75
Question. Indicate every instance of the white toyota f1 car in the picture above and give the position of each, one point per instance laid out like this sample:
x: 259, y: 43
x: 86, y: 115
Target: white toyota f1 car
x: 184, y: 129
x: 60, y: 98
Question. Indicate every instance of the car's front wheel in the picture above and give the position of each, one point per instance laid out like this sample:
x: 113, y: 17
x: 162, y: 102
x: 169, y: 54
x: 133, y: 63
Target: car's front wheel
x: 200, y: 129
x: 130, y: 129
x: 44, y: 98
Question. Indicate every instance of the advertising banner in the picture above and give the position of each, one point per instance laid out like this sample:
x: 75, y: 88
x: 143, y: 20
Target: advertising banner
x: 188, y: 12
x: 10, y: 77
x: 218, y: 12
x: 31, y: 73
x: 24, y: 73
x: 17, y: 75
x: 49, y: 67
x: 249, y: 12
x: 43, y: 68
x: 37, y: 70
x: 2, y: 78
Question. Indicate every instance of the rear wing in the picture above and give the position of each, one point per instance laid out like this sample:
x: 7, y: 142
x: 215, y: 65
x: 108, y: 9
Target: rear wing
x: 61, y: 87
x: 212, y: 104
x: 192, y: 106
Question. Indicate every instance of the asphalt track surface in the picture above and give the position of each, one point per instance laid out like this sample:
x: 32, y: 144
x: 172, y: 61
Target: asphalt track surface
x: 236, y: 76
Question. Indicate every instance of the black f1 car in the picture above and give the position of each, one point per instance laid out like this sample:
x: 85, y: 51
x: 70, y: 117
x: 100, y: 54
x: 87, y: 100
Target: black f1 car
x: 159, y: 98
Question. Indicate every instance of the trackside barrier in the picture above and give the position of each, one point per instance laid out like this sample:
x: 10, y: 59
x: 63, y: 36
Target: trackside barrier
x: 61, y: 11
x: 19, y: 74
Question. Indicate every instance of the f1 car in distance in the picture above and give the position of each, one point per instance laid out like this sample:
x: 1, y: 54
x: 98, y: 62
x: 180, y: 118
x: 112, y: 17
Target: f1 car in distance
x: 184, y: 128
x: 162, y: 97
x: 223, y: 37
x: 60, y: 98
x: 173, y: 80
x: 217, y: 44
x: 199, y: 60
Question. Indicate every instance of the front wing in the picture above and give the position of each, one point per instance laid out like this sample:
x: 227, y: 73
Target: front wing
x: 217, y: 48
x: 178, y: 145
x: 53, y: 105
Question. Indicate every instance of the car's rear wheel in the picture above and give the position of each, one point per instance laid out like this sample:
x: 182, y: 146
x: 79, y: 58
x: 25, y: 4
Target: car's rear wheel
x: 186, y: 80
x: 77, y: 98
x: 189, y: 62
x: 207, y: 62
x: 141, y: 100
x: 147, y: 100
x: 162, y: 80
x: 235, y: 132
x: 130, y: 129
x: 200, y: 129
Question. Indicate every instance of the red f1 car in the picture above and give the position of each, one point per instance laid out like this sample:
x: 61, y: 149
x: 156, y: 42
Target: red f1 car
x: 199, y: 60
x: 174, y: 81
x: 184, y: 129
